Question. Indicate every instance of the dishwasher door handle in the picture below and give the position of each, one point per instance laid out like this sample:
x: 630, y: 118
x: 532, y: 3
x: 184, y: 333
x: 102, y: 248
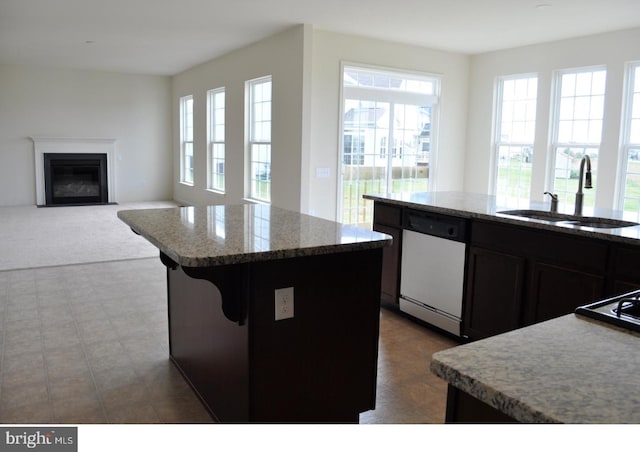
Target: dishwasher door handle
x: 423, y: 305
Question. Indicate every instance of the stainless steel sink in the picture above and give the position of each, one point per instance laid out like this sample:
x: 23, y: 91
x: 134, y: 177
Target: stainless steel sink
x: 538, y: 215
x: 570, y: 220
x: 602, y: 223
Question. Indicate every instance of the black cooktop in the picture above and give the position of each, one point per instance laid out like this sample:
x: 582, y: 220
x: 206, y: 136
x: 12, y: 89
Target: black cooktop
x: 622, y: 310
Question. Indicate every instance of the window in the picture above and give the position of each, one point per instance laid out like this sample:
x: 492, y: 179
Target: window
x: 216, y: 140
x: 629, y: 201
x: 386, y: 137
x: 186, y: 140
x: 577, y: 131
x: 515, y: 130
x: 259, y: 143
x: 354, y: 149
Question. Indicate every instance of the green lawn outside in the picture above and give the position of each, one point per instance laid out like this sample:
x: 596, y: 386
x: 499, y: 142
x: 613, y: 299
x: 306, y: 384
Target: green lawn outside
x: 568, y: 187
x: 632, y: 189
x: 355, y: 210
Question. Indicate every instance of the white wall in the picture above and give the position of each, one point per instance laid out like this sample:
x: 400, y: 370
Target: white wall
x: 133, y: 109
x: 305, y: 65
x: 329, y: 50
x: 280, y: 56
x: 141, y: 113
x: 611, y: 49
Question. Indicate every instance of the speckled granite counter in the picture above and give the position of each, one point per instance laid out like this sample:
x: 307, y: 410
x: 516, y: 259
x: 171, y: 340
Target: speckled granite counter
x: 567, y: 370
x: 474, y: 205
x: 204, y: 236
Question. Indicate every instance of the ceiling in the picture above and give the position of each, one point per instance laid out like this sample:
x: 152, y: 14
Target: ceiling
x: 165, y: 37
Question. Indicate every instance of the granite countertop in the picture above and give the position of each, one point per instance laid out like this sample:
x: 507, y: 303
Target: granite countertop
x: 204, y: 236
x: 480, y: 206
x: 567, y: 370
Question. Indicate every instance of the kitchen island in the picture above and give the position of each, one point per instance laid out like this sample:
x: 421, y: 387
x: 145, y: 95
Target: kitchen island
x: 273, y: 315
x: 522, y: 263
x: 567, y: 370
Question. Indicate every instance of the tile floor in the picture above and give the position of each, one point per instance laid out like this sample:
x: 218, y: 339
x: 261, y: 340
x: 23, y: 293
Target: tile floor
x: 88, y: 343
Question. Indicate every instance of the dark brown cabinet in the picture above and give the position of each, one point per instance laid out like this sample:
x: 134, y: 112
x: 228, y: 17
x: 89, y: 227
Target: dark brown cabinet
x: 388, y: 220
x: 626, y: 269
x: 558, y: 290
x: 518, y: 276
x: 495, y: 284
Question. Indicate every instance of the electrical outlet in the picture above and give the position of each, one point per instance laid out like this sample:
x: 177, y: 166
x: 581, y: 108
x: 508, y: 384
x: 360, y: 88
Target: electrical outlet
x: 284, y: 303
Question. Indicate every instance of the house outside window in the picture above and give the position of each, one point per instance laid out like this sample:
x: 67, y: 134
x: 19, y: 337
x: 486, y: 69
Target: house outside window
x: 629, y: 198
x: 216, y: 140
x: 186, y: 140
x: 259, y: 139
x: 514, y: 136
x: 577, y: 131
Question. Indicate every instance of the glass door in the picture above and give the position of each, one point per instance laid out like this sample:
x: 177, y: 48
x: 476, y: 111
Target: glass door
x: 386, y: 149
x: 386, y: 138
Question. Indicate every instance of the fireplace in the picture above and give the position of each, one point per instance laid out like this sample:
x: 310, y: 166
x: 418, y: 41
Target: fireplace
x: 75, y: 179
x: 78, y: 171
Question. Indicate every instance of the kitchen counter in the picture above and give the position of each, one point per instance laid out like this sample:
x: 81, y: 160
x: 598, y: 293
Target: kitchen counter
x: 566, y: 370
x: 273, y: 315
x: 518, y: 271
x: 479, y: 206
x: 204, y: 236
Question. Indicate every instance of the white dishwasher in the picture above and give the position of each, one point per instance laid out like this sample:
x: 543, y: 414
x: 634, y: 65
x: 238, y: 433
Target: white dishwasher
x: 432, y: 269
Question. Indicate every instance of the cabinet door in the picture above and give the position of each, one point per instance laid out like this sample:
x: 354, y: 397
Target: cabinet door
x: 557, y: 291
x: 622, y: 287
x: 494, y: 293
x: 626, y: 271
x: 390, y: 285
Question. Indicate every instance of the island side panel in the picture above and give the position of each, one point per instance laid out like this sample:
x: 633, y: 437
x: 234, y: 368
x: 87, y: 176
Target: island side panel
x: 466, y: 409
x: 320, y: 365
x: 210, y: 350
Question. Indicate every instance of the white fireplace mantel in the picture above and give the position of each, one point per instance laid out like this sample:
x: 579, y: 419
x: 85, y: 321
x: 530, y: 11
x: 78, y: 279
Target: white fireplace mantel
x: 58, y: 145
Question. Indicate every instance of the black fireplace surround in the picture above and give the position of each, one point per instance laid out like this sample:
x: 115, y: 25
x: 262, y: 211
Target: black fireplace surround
x: 73, y: 179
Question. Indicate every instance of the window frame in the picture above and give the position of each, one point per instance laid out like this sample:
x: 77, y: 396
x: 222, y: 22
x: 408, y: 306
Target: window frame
x: 555, y: 144
x: 258, y: 147
x: 186, y: 138
x: 630, y: 97
x: 216, y: 141
x: 498, y: 141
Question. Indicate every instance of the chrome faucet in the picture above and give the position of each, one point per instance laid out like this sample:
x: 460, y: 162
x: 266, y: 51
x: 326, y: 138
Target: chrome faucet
x: 587, y: 183
x: 554, y: 201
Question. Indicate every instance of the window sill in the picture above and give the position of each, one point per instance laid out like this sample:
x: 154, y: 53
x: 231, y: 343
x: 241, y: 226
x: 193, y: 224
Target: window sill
x: 188, y: 184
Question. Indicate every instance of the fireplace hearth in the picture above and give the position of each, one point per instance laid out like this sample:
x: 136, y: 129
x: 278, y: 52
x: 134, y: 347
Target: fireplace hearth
x: 75, y: 179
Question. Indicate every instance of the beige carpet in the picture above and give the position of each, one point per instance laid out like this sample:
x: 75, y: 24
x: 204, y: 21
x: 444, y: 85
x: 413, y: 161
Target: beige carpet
x: 32, y: 237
